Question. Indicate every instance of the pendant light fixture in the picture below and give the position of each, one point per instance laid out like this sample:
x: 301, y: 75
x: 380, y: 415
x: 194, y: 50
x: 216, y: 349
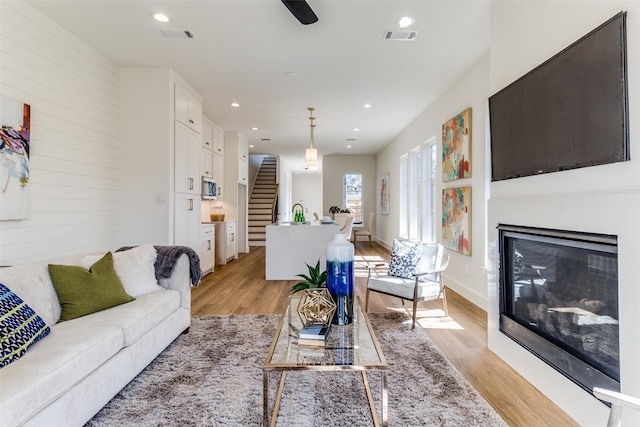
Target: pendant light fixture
x: 311, y: 155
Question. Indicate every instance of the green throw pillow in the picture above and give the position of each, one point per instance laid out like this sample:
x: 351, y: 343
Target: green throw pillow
x: 83, y: 292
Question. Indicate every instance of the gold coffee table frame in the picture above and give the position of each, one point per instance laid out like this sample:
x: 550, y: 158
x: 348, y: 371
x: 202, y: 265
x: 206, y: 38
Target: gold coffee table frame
x: 348, y: 348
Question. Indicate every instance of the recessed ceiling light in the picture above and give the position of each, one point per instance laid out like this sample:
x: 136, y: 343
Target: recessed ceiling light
x: 367, y: 105
x: 160, y: 17
x: 348, y: 146
x: 406, y: 21
x: 251, y: 146
x: 254, y: 128
x: 356, y: 129
x: 235, y: 104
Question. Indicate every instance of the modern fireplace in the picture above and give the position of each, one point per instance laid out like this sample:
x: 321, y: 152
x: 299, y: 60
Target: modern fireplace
x: 559, y: 299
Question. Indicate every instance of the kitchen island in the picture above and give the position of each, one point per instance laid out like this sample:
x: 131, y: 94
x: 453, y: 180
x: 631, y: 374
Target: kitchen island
x: 290, y: 246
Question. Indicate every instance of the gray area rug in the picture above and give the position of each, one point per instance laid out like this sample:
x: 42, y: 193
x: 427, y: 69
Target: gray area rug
x: 212, y: 376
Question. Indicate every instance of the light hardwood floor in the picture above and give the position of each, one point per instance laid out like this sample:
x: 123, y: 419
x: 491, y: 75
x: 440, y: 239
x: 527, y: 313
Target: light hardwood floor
x: 240, y: 288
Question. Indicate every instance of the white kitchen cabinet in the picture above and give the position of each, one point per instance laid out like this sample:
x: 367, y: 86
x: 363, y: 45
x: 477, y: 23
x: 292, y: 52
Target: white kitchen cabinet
x: 188, y: 108
x: 207, y: 248
x: 218, y: 140
x: 226, y: 242
x: 218, y: 173
x: 186, y: 160
x: 206, y: 162
x: 232, y: 241
x: 186, y: 220
x: 236, y: 192
x: 241, y: 144
x: 207, y: 133
x: 213, y: 139
x: 243, y: 161
x: 243, y: 148
x: 243, y: 172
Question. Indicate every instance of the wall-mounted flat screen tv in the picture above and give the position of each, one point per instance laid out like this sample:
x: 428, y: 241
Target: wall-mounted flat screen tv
x: 569, y: 112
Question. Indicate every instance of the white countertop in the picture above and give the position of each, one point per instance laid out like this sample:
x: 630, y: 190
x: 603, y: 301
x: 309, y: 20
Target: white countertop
x: 297, y: 224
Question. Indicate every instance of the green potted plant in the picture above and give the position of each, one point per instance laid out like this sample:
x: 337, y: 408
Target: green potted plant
x: 315, y: 279
x: 316, y: 305
x: 336, y: 209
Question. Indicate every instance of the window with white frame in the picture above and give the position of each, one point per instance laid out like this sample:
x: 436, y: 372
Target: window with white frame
x: 404, y: 198
x: 417, y: 193
x: 352, y: 193
x: 428, y: 219
x: 414, y: 207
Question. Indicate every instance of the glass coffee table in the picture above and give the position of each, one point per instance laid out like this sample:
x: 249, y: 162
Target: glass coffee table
x: 351, y: 347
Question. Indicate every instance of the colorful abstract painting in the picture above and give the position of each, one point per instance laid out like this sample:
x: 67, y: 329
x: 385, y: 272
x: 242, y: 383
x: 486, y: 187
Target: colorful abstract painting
x: 15, y: 120
x: 456, y: 147
x: 384, y: 194
x: 456, y: 219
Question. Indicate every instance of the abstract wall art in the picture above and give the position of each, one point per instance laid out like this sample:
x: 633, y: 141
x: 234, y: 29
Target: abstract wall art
x: 384, y: 194
x: 456, y: 147
x: 15, y: 122
x: 456, y: 219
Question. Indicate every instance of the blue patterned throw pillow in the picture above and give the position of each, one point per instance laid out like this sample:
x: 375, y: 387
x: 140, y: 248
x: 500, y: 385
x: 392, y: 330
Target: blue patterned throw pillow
x: 405, y: 258
x: 20, y: 326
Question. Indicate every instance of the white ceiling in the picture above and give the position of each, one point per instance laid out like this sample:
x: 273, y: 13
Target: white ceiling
x: 242, y: 51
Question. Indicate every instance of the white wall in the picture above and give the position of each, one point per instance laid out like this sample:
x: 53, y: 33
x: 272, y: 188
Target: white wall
x: 284, y: 190
x: 147, y: 157
x: 255, y: 161
x: 75, y: 146
x: 333, y: 169
x: 466, y: 275
x: 306, y: 189
x: 602, y: 199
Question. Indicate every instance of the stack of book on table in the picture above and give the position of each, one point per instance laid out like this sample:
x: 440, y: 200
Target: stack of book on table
x: 313, y: 335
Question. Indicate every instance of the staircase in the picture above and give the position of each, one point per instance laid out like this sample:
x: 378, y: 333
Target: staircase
x: 262, y: 201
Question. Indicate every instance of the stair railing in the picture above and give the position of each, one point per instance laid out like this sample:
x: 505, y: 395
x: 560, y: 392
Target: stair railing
x: 274, y: 205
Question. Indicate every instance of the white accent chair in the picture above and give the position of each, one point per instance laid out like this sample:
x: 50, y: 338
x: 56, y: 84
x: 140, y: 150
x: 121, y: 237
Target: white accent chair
x: 366, y: 232
x: 618, y: 402
x: 426, y: 284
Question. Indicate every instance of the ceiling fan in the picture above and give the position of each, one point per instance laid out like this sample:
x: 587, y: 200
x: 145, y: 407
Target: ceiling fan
x: 301, y: 10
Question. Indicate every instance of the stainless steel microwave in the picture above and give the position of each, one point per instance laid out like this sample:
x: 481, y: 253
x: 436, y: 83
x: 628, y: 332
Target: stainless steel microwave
x: 209, y: 188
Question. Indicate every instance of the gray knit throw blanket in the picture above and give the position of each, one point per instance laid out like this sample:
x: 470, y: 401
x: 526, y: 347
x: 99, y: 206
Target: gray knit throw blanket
x: 166, y: 260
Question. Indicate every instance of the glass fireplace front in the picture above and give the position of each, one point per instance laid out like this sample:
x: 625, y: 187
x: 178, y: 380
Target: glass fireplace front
x: 559, y: 299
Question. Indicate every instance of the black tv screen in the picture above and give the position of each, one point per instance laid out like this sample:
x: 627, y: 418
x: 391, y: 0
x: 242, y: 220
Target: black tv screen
x: 569, y: 112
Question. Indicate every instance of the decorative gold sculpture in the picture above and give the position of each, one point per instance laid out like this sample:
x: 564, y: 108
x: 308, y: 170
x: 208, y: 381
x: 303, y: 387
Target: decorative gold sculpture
x: 316, y: 306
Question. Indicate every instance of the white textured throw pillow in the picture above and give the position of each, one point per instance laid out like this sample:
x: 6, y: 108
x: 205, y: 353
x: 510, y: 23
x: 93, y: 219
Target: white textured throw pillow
x: 134, y: 267
x: 405, y: 258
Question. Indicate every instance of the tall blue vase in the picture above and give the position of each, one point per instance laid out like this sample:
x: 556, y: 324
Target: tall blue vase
x: 340, y: 278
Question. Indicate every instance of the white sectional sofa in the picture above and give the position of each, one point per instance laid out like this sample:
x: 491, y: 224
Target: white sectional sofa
x: 69, y: 375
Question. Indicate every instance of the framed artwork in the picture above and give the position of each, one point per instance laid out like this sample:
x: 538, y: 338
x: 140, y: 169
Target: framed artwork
x: 15, y: 122
x: 456, y: 147
x: 384, y: 194
x: 456, y: 219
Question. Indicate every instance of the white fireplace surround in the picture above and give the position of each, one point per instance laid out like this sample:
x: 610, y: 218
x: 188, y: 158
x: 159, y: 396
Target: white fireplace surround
x: 594, y: 213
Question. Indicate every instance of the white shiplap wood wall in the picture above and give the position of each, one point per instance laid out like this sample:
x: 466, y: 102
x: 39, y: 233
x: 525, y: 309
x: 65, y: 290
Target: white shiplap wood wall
x: 75, y: 143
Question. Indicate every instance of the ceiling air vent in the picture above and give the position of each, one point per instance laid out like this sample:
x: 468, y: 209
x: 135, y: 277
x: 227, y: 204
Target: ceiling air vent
x: 400, y: 35
x: 172, y: 33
